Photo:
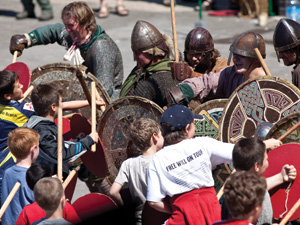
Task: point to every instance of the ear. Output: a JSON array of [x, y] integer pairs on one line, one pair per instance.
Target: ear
[[154, 137], [256, 167], [53, 106], [7, 97], [63, 201], [186, 129]]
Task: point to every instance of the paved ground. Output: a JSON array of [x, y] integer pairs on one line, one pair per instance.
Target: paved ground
[[223, 29]]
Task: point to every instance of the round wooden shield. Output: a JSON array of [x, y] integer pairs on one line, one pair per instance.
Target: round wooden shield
[[283, 125], [23, 72], [113, 129], [64, 74], [93, 204], [212, 113], [95, 162], [259, 100], [284, 196]]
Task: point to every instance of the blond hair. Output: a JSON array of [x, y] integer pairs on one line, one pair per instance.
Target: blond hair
[[48, 192]]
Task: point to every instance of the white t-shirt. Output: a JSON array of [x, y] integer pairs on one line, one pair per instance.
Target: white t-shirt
[[133, 172], [185, 166]]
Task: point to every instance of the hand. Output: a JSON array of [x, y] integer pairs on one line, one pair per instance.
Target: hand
[[17, 43], [94, 136], [288, 173], [180, 70], [272, 143], [100, 102]]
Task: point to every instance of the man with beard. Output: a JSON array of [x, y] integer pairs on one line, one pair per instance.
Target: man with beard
[[286, 41], [152, 77], [222, 84], [87, 42], [201, 54]]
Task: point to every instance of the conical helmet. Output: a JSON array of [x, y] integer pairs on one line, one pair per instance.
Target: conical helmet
[[145, 36], [245, 44], [286, 35], [198, 40]]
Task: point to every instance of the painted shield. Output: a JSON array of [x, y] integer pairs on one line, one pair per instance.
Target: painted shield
[[113, 129], [283, 125], [64, 74], [264, 99], [92, 205], [95, 162], [284, 196], [212, 113], [23, 72]]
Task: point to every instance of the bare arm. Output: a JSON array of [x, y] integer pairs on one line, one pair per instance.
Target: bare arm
[[115, 193], [288, 173], [161, 206], [77, 104]]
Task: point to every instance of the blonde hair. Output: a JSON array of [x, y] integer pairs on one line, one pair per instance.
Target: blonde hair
[[48, 192], [20, 141]]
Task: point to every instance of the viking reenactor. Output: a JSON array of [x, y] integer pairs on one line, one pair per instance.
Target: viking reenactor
[[87, 43], [222, 84], [286, 41], [201, 54], [152, 77]]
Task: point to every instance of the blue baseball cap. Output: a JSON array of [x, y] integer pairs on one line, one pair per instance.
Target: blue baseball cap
[[178, 116]]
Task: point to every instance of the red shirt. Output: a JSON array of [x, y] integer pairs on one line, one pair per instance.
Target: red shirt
[[33, 212]]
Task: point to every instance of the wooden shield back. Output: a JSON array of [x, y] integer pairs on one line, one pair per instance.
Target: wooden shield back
[[64, 74], [259, 100], [113, 129], [212, 113], [282, 126]]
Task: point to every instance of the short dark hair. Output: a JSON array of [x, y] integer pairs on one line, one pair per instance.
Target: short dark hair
[[43, 96], [141, 131], [247, 152], [82, 12], [7, 82], [243, 191], [36, 172], [172, 137]]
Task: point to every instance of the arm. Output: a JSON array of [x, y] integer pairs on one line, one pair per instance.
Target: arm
[[197, 87], [272, 143], [161, 206], [288, 173], [71, 105], [115, 193]]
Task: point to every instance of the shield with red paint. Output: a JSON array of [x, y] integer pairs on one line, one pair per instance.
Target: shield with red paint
[[23, 72], [284, 196], [94, 161]]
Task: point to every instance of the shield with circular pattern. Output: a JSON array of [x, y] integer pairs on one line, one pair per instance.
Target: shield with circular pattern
[[114, 125], [259, 100]]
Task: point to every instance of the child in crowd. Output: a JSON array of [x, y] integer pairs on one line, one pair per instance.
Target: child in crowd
[[12, 114], [244, 195], [250, 154], [33, 212], [182, 170], [24, 145], [46, 99], [49, 195], [146, 136]]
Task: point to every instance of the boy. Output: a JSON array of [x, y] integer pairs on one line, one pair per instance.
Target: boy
[[24, 145], [33, 212], [147, 137], [49, 195], [46, 98], [250, 154], [12, 114], [244, 195], [182, 170]]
